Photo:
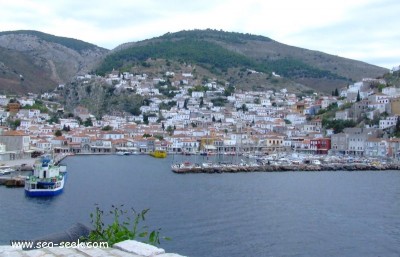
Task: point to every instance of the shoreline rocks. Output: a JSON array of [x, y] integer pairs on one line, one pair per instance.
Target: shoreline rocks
[[282, 168]]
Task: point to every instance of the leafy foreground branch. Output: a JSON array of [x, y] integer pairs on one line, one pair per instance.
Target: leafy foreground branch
[[125, 226]]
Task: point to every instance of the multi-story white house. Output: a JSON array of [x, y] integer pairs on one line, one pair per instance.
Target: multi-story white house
[[376, 147], [197, 94], [71, 123], [296, 118], [388, 122]]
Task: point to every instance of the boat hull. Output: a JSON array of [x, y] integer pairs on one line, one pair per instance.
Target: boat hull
[[43, 192], [159, 154]]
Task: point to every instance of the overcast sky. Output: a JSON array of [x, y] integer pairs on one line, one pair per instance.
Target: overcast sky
[[365, 30]]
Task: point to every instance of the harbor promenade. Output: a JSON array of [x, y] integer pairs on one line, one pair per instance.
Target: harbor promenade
[[29, 161], [19, 162], [129, 248]]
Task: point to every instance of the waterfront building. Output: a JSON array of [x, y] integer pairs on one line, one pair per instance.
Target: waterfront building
[[320, 145], [17, 143]]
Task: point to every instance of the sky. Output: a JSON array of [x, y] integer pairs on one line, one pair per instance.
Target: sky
[[365, 30]]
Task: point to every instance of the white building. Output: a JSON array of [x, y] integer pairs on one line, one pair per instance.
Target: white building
[[388, 122]]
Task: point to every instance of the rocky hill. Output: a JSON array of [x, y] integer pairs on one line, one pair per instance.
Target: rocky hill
[[32, 61], [228, 54]]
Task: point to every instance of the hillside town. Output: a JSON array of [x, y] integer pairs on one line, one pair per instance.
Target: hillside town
[[204, 120]]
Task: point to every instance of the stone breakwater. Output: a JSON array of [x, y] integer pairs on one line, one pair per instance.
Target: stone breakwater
[[280, 168]]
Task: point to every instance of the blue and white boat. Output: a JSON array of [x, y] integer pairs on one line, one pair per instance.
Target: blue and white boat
[[47, 179]]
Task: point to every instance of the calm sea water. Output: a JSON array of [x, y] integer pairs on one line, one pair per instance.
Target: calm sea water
[[243, 214]]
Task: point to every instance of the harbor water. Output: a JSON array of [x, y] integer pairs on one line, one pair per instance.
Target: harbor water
[[236, 214]]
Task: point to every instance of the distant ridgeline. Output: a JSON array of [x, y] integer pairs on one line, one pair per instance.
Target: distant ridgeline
[[244, 60], [75, 44]]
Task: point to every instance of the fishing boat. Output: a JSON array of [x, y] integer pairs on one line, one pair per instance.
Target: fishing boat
[[159, 154], [47, 179]]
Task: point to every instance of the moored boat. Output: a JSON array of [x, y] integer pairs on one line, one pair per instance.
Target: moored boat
[[6, 170], [159, 154], [47, 179], [123, 153]]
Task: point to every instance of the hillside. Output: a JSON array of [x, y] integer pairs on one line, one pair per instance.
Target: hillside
[[32, 61], [43, 60], [223, 53], [393, 78], [18, 75]]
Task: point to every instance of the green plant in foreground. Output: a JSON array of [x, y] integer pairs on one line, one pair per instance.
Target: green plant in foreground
[[123, 227]]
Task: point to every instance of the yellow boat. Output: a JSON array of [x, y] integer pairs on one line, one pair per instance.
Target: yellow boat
[[159, 154]]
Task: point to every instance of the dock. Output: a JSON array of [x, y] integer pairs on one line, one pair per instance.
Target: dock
[[20, 169]]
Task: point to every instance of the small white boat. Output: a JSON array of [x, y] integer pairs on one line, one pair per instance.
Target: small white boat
[[316, 162], [6, 170], [123, 153]]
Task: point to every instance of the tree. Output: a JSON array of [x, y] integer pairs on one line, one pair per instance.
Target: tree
[[219, 101], [58, 133], [54, 119], [170, 130], [79, 120], [159, 137], [107, 128], [229, 90], [66, 128], [160, 116], [336, 92], [397, 128], [146, 102], [244, 108], [145, 119], [358, 96], [88, 122], [213, 119], [201, 102], [14, 124], [338, 125]]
